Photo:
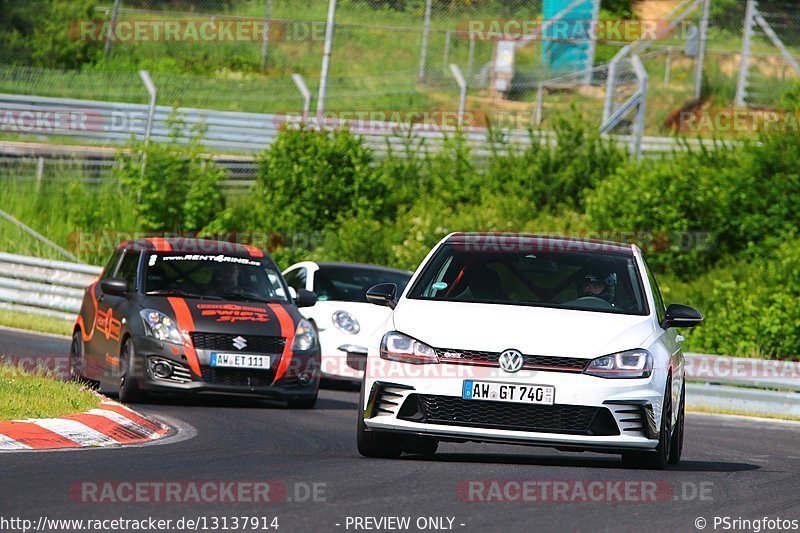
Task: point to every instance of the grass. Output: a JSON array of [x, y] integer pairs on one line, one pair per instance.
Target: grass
[[28, 321], [31, 395]]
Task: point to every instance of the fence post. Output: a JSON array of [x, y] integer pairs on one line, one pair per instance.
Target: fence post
[[326, 59], [536, 119], [426, 29], [448, 36], [265, 39], [638, 135], [749, 21], [462, 86], [303, 88], [701, 50], [151, 110], [112, 26], [39, 173], [471, 57], [668, 67]]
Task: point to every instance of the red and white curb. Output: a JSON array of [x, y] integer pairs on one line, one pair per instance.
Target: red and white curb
[[110, 424]]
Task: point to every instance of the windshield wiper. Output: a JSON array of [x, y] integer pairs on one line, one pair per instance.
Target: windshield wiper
[[178, 292]]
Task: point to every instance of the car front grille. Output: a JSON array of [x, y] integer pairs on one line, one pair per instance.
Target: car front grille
[[537, 362], [454, 411], [238, 377], [224, 341]]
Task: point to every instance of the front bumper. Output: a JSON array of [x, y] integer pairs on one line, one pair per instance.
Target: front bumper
[[300, 380], [589, 413], [339, 363]]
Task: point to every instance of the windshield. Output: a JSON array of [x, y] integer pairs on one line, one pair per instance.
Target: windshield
[[591, 281], [350, 284], [215, 277]]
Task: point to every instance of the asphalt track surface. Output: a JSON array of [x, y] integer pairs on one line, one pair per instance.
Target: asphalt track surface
[[732, 467]]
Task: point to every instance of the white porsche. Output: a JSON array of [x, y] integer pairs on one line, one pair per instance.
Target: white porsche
[[525, 339], [342, 315]]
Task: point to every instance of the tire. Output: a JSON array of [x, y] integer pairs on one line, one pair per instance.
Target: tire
[[657, 459], [129, 391], [424, 446], [303, 403], [676, 447], [77, 362], [375, 444]]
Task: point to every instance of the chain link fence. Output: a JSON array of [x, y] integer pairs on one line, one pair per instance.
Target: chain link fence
[[525, 62]]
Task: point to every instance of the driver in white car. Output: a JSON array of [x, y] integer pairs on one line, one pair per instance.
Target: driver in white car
[[600, 287]]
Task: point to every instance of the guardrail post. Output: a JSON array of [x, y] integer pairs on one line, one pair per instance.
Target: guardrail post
[[326, 60], [536, 118], [462, 86], [303, 88], [426, 29], [112, 26], [151, 111]]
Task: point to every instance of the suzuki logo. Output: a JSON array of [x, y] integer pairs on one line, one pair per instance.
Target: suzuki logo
[[240, 343], [511, 360]]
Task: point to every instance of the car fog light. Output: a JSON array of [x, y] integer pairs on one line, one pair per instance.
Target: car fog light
[[162, 370], [305, 377]]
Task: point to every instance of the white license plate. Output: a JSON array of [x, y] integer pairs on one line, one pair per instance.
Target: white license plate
[[508, 392], [238, 360]]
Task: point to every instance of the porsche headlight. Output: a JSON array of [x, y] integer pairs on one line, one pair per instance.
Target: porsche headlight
[[305, 337], [628, 364], [346, 322], [160, 326], [398, 347]]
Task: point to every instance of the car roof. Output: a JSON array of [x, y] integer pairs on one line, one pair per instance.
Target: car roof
[[197, 246], [509, 241], [339, 264]]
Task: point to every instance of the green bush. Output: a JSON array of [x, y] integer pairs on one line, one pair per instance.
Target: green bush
[[177, 187], [753, 311], [309, 179]]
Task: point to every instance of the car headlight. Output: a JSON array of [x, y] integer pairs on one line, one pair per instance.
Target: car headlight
[[305, 337], [346, 322], [627, 364], [404, 349], [160, 326]]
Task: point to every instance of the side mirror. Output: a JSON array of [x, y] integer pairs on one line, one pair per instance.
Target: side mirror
[[383, 294], [114, 286], [305, 298], [682, 316]]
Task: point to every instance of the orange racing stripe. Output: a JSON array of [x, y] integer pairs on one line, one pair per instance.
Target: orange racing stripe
[[160, 243], [186, 324], [287, 332]]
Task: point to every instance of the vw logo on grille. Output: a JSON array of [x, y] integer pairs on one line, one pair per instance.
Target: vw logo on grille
[[511, 360], [240, 343]]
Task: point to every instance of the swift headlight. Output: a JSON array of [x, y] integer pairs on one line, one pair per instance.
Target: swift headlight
[[346, 322], [404, 349], [160, 326], [628, 364], [305, 337]]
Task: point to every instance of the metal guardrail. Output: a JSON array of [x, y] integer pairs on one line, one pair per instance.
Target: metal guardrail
[[247, 133], [43, 287]]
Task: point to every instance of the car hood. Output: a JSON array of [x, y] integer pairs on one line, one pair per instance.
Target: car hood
[[219, 316], [531, 330]]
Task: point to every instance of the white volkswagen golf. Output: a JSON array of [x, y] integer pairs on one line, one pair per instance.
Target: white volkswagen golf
[[525, 339]]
